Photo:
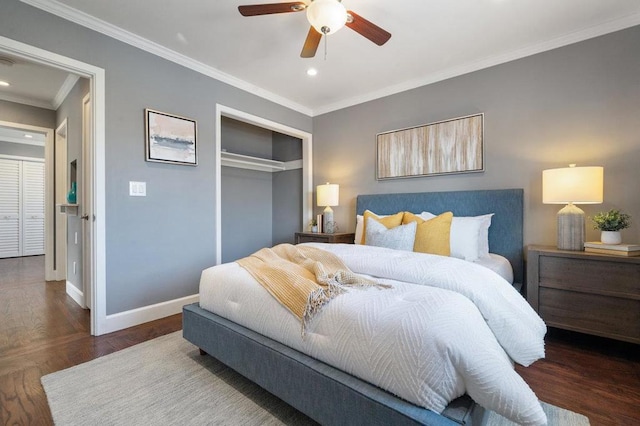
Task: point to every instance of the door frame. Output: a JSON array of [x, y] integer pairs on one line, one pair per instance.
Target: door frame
[[57, 170], [96, 182], [87, 200], [307, 163]]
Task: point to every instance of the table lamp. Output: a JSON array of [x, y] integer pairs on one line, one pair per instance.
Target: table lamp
[[327, 195], [572, 185]]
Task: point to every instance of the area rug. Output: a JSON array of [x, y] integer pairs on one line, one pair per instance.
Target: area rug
[[165, 381]]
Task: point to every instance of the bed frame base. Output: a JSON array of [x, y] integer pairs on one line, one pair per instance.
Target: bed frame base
[[326, 394]]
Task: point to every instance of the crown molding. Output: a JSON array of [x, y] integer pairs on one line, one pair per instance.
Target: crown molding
[[567, 39], [56, 8], [64, 90], [70, 14]]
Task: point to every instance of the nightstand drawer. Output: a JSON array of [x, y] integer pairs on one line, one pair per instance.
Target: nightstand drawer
[[314, 237], [590, 275], [591, 313]]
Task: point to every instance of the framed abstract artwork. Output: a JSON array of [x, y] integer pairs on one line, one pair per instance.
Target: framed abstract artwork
[[444, 147], [170, 138]]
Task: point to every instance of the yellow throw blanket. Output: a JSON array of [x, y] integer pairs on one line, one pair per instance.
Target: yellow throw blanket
[[302, 278]]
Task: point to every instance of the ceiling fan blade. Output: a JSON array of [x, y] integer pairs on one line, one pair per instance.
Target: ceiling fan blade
[[311, 43], [270, 8], [367, 29]]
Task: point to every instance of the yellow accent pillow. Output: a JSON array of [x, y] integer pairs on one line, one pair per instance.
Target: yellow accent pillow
[[432, 236], [388, 221]]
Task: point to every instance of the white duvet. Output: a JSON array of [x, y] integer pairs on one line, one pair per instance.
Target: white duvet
[[456, 332]]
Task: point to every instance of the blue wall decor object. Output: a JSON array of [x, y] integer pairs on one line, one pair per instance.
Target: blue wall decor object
[[71, 196]]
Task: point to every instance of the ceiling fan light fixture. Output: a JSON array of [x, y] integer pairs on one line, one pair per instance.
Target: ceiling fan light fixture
[[327, 16]]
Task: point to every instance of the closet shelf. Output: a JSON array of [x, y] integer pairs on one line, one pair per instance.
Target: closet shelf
[[230, 159], [70, 209]]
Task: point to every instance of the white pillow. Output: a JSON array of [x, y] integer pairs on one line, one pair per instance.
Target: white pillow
[[401, 237], [360, 225], [469, 237]]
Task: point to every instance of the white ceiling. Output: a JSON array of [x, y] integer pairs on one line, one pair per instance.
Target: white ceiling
[[431, 41], [33, 84]]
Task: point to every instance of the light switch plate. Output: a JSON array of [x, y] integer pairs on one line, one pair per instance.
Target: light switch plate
[[137, 189]]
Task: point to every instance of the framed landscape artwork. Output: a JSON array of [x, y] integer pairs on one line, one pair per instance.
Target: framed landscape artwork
[[170, 138], [449, 146]]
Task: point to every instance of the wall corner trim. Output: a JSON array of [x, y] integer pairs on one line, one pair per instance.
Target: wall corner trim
[[76, 294], [133, 317]]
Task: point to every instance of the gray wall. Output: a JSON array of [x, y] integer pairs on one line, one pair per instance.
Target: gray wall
[[576, 104], [287, 206], [21, 150], [246, 212], [25, 114], [71, 109], [156, 246], [287, 190]]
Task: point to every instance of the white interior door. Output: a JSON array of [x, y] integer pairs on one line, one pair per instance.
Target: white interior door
[[10, 208], [87, 203], [32, 208], [21, 208]]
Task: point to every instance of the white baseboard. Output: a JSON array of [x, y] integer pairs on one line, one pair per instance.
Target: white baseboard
[[77, 295], [122, 320]]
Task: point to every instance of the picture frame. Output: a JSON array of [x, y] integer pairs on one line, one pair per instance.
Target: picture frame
[[444, 147], [170, 138]]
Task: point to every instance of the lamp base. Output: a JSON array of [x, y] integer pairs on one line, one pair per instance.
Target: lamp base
[[571, 228], [328, 223]]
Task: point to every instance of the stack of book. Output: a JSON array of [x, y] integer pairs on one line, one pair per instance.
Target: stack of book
[[629, 250]]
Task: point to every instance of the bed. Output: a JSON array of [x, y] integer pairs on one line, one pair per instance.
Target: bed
[[327, 394]]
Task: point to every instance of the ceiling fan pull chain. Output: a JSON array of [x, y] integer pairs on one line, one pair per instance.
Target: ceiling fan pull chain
[[325, 47]]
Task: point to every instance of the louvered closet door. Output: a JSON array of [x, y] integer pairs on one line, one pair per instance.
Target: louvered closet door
[[32, 208], [10, 208]]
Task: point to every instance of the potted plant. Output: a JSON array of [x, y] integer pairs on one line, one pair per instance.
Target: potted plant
[[313, 224], [610, 223]]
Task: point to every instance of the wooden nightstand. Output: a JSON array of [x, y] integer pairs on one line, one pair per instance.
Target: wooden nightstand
[[586, 292], [316, 237]]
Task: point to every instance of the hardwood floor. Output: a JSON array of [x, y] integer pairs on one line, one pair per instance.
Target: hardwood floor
[[593, 376], [42, 330]]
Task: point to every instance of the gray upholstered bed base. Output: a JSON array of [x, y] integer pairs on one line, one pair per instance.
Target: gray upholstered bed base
[[326, 394]]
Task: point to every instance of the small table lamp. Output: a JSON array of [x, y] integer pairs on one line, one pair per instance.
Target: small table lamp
[[572, 185], [327, 195]]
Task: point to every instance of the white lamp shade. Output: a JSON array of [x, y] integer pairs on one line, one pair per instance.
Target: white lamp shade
[[328, 194], [326, 16], [577, 185]]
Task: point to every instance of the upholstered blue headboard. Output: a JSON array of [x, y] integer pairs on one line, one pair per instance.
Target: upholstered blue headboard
[[505, 233]]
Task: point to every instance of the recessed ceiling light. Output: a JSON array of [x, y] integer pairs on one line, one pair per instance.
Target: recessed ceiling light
[[312, 71], [4, 83], [28, 136]]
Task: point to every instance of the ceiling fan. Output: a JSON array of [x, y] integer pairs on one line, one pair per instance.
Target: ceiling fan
[[326, 17]]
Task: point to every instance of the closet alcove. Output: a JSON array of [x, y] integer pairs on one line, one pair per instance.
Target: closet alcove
[[261, 188]]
